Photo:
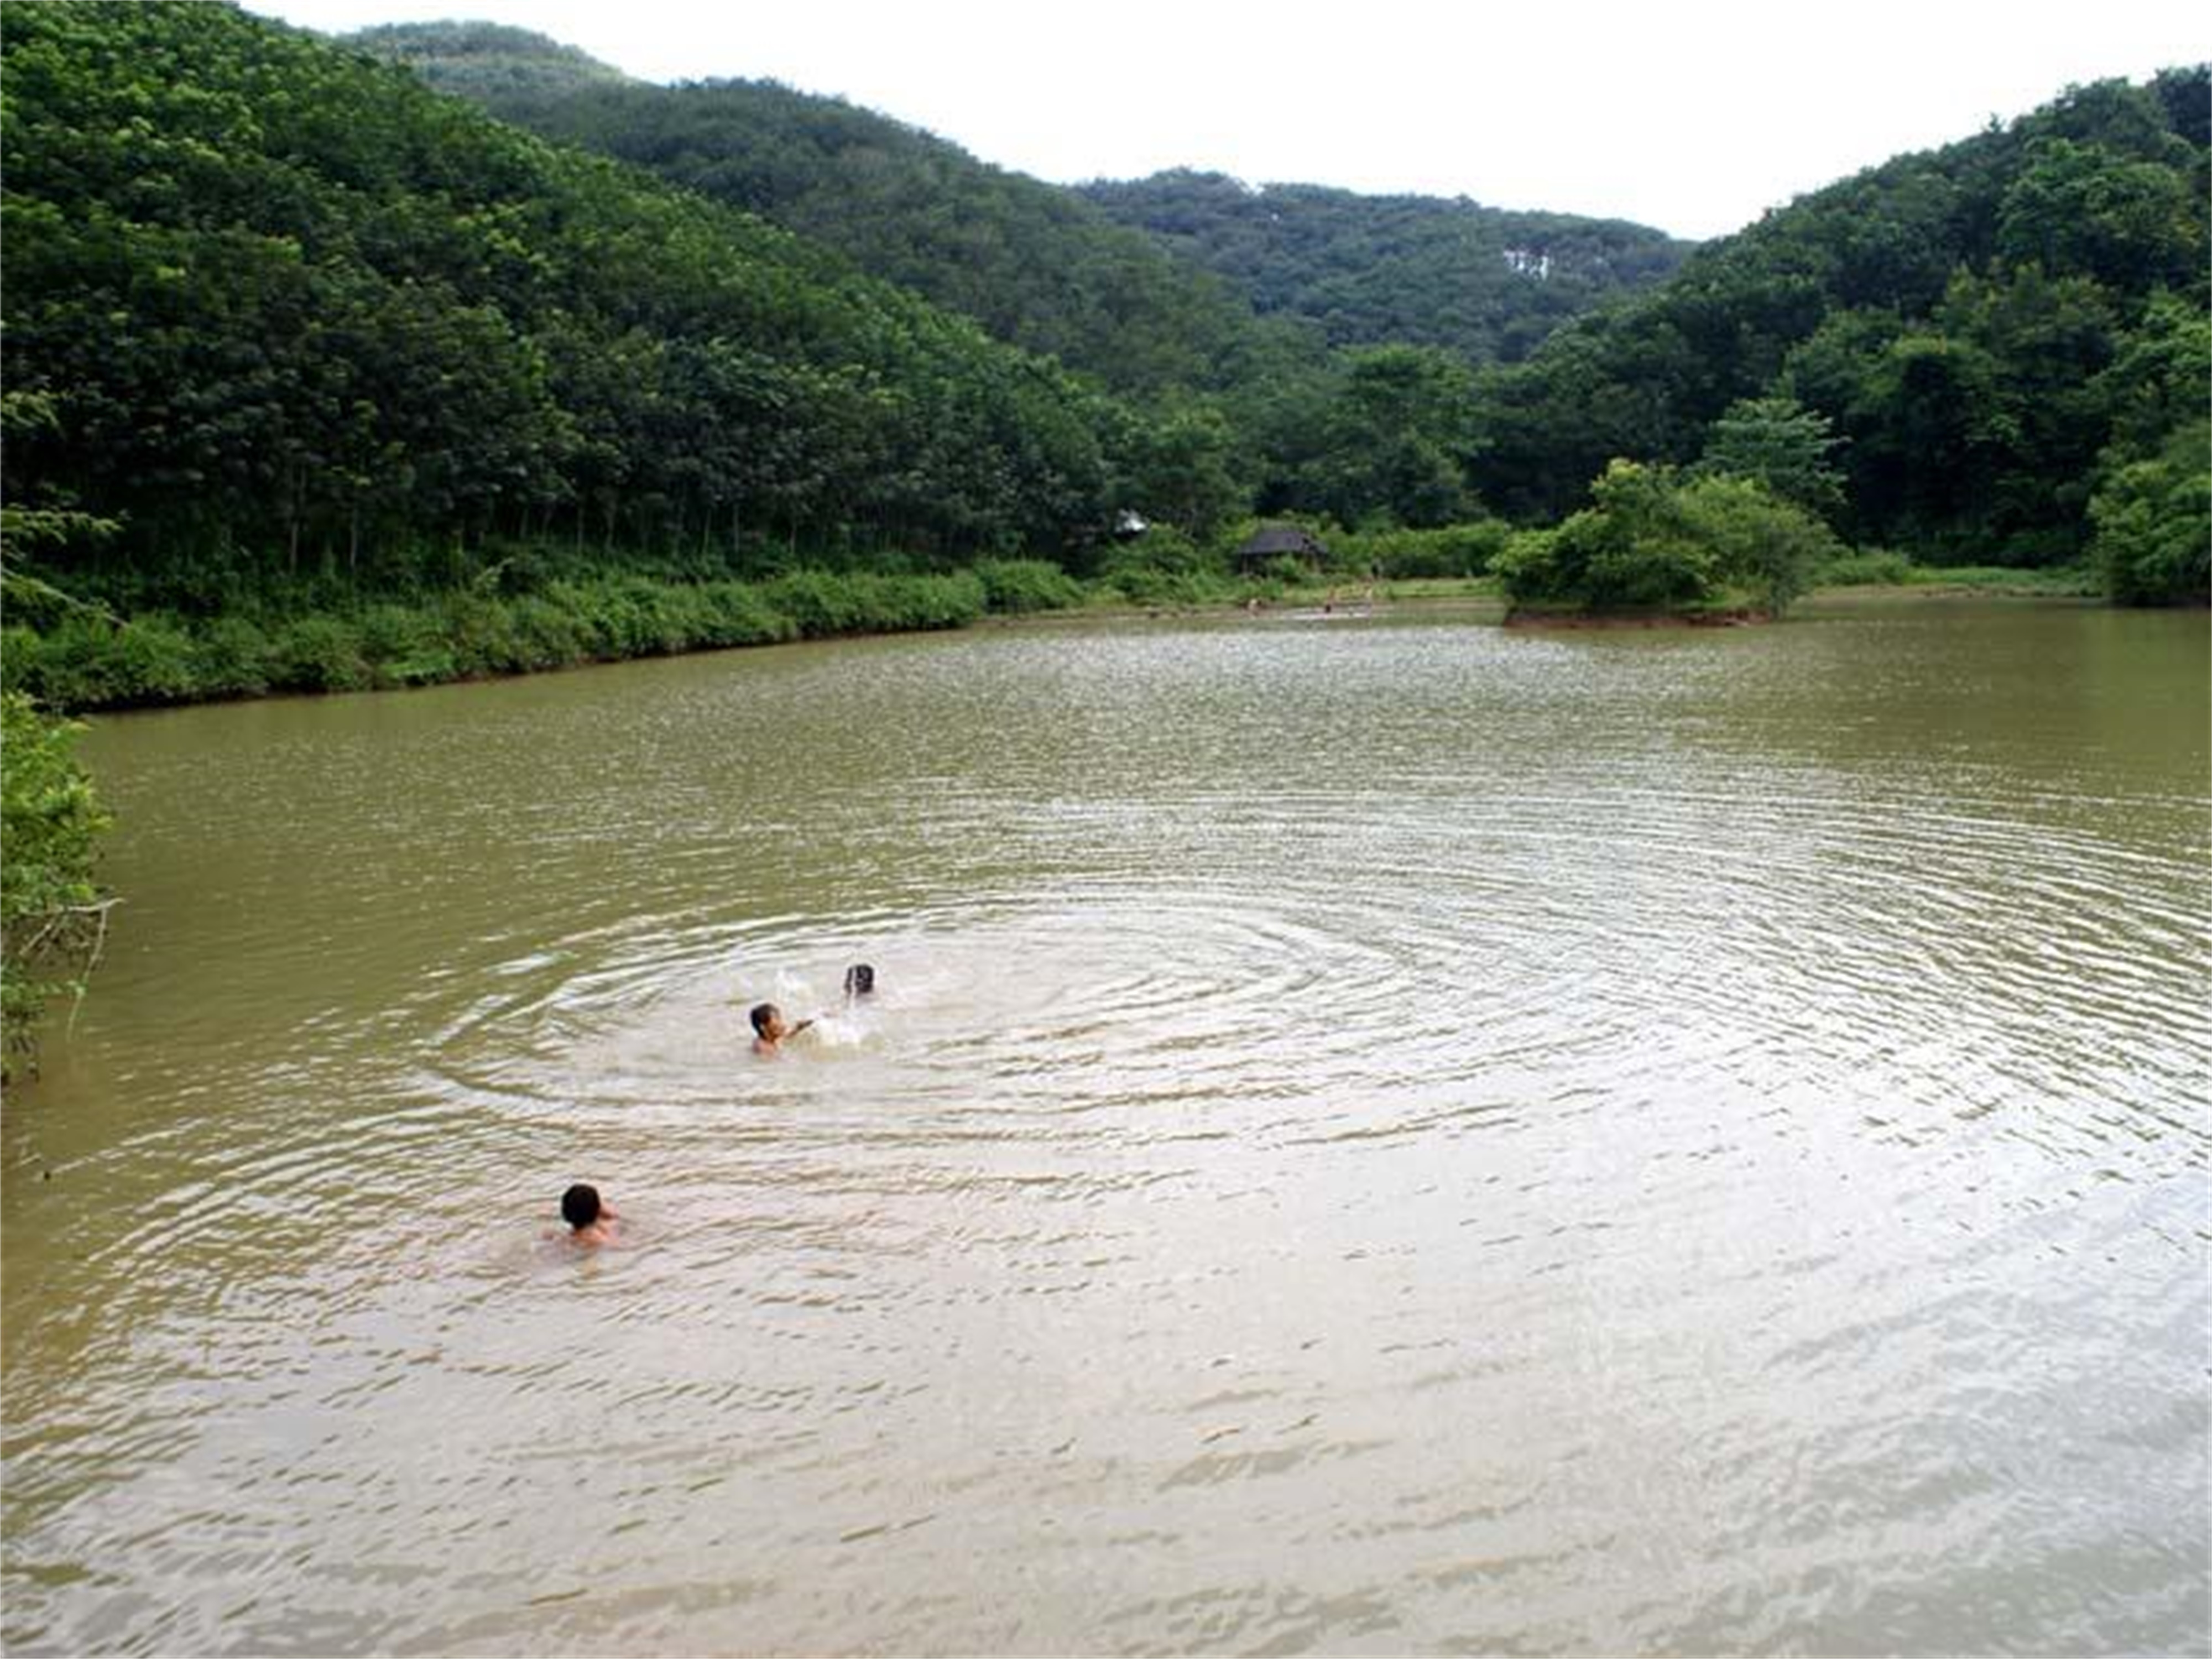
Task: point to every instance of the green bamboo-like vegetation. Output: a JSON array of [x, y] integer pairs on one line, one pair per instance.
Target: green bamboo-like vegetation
[[299, 317]]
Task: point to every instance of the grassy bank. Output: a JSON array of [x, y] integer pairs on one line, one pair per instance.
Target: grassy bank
[[1892, 571], [78, 657]]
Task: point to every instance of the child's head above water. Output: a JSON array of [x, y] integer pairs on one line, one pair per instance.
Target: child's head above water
[[765, 1017], [859, 980], [580, 1206]]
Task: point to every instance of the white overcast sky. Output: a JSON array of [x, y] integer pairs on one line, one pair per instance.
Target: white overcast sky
[[1693, 116]]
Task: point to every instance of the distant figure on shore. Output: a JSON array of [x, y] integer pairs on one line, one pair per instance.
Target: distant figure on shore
[[769, 1029], [860, 980], [590, 1220]]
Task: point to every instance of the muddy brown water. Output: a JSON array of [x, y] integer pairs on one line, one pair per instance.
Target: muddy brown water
[[1376, 1135]]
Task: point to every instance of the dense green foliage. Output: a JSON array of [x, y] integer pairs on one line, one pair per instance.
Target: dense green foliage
[[1652, 541], [1989, 330], [50, 909], [1483, 283], [1035, 265], [50, 914], [1779, 443], [486, 61], [71, 656], [294, 313], [1383, 439], [2154, 523], [1168, 567]]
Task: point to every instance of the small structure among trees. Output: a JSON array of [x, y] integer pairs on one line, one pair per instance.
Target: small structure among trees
[[1272, 542]]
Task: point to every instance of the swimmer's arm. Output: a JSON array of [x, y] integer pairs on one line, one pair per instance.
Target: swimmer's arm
[[797, 1029]]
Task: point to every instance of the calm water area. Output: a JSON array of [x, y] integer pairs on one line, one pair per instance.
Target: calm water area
[[1374, 1135]]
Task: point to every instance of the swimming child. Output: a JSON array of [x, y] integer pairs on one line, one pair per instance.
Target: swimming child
[[859, 980], [769, 1029], [590, 1221]]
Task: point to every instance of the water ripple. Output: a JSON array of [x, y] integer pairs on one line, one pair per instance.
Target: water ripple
[[1373, 1136]]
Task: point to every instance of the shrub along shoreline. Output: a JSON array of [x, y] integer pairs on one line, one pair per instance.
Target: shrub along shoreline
[[70, 656], [78, 657], [535, 609]]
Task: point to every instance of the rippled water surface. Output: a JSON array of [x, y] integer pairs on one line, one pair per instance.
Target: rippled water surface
[[1384, 1135]]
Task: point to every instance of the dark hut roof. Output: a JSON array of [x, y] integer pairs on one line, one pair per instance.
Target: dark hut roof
[[1273, 538]]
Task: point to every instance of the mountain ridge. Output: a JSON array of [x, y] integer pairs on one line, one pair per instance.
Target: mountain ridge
[[1049, 267]]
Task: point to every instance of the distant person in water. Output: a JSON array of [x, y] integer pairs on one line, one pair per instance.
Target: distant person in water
[[590, 1220], [860, 980], [769, 1029]]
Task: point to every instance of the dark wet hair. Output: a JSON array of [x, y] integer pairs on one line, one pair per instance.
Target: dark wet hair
[[763, 1013], [580, 1206], [859, 980]]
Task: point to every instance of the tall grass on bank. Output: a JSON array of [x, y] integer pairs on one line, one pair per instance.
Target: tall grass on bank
[[77, 658], [1881, 568]]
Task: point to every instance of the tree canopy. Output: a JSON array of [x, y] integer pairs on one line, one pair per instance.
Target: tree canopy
[[282, 308], [1033, 264], [287, 305], [1483, 284], [1987, 331]]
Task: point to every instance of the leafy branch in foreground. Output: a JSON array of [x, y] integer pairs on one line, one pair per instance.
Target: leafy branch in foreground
[[53, 917]]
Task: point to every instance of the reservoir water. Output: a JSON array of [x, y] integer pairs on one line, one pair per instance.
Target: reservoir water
[[1374, 1135]]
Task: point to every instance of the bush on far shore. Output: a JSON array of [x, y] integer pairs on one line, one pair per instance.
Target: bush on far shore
[[1017, 586], [1457, 550], [1867, 567], [1654, 541]]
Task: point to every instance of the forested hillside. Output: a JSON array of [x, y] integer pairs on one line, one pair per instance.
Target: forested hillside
[[279, 314], [486, 61], [2001, 336], [1036, 265], [277, 308], [1483, 284]]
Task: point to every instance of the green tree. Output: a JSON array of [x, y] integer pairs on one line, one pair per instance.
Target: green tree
[[2153, 524], [1760, 541], [1653, 541], [1632, 549], [1391, 442], [1778, 442], [1182, 470], [1957, 316], [2083, 209]]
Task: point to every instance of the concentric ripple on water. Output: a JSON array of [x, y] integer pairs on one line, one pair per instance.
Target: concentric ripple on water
[[1380, 1136]]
